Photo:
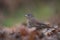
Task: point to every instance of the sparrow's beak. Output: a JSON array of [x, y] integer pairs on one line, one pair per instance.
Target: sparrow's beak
[[25, 15]]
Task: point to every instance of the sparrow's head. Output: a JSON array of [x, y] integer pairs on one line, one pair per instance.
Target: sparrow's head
[[29, 15]]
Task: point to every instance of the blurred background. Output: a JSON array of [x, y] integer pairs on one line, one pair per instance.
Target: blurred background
[[13, 11]]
